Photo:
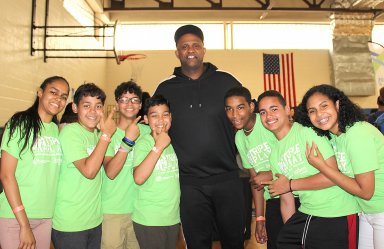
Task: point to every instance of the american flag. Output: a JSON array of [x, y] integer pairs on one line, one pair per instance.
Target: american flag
[[279, 75]]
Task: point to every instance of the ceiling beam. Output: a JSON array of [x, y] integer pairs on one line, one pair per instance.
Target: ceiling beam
[[215, 5], [165, 5], [314, 4]]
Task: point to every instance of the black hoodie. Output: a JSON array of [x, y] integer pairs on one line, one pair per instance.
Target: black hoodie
[[202, 136]]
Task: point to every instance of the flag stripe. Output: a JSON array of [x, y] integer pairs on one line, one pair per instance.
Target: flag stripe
[[284, 82], [265, 82], [274, 81], [293, 82], [269, 81], [289, 79]]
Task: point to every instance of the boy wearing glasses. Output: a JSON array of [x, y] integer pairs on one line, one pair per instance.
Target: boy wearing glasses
[[119, 190]]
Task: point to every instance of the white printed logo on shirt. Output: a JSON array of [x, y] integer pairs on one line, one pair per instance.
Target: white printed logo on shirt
[[291, 162], [260, 155], [46, 150]]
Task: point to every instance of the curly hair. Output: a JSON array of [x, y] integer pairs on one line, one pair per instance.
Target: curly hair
[[348, 114], [128, 87]]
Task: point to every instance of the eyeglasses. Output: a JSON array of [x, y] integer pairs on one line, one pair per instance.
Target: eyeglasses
[[125, 100]]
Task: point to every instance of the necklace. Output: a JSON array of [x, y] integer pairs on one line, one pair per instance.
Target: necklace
[[248, 131]]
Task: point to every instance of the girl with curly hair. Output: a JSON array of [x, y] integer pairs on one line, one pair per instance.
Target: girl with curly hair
[[30, 163], [359, 150]]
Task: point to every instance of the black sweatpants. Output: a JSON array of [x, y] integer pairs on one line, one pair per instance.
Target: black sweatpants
[[202, 205], [247, 190], [303, 231]]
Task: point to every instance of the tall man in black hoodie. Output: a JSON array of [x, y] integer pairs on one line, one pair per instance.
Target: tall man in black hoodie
[[203, 140]]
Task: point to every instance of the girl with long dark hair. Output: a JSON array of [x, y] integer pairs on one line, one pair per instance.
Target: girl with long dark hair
[[359, 150], [30, 163]]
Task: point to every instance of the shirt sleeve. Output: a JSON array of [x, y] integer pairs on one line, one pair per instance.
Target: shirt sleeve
[[73, 144], [242, 153], [141, 150], [13, 147], [361, 149]]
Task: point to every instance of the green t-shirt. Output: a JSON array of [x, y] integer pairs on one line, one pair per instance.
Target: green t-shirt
[[78, 204], [119, 194], [361, 150], [254, 149], [158, 199], [37, 171], [288, 158]]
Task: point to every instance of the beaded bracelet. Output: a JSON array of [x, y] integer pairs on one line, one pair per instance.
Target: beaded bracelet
[[128, 142]]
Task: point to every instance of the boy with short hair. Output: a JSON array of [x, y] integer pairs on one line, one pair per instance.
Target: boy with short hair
[[321, 221], [119, 190], [254, 144], [156, 214], [78, 216]]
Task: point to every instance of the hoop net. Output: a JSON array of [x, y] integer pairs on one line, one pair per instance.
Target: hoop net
[[124, 57], [137, 63]]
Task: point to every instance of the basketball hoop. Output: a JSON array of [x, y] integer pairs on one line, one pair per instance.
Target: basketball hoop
[[136, 62], [375, 48], [131, 57]]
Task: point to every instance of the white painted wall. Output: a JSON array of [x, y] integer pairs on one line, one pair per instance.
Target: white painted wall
[[20, 73]]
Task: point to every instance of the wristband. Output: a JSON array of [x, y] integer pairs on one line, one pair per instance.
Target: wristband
[[125, 148], [105, 137], [260, 218], [290, 186], [122, 149], [128, 142], [18, 209], [156, 150]]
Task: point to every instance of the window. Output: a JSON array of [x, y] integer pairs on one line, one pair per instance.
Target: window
[[378, 34], [281, 36], [160, 36], [135, 37]]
